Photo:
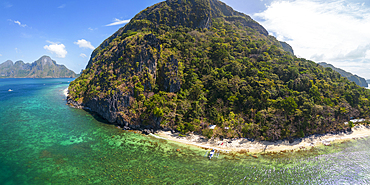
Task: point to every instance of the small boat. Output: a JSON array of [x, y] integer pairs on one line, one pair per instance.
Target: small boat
[[211, 154], [10, 90]]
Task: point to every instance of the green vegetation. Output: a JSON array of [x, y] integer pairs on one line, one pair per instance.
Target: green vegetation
[[186, 75]]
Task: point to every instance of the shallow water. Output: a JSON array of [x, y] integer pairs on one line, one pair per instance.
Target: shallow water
[[44, 141]]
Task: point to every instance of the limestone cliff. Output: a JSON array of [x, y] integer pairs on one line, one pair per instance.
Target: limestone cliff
[[287, 47]]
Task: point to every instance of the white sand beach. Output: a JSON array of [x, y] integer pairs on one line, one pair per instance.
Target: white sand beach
[[245, 145]]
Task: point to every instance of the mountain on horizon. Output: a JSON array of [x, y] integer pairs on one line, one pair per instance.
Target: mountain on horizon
[[44, 67], [354, 78]]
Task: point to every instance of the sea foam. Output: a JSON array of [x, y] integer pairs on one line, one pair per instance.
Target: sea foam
[[65, 92]]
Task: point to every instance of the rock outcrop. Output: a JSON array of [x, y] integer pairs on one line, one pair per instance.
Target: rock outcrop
[[287, 47]]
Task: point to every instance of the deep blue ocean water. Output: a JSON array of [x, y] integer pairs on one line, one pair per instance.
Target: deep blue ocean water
[[44, 141]]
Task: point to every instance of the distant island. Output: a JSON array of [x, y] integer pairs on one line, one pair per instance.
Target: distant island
[[354, 78], [44, 67]]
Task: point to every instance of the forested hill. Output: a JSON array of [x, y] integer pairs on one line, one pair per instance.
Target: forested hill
[[354, 78], [188, 64], [44, 67]]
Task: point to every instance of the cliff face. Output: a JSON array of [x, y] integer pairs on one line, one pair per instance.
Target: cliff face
[[44, 67], [358, 80], [354, 78], [188, 64], [287, 47]]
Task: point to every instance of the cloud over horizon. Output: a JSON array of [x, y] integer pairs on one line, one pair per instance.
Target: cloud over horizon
[[83, 55], [18, 22], [334, 31], [62, 6], [118, 22], [7, 5], [58, 49], [84, 44]]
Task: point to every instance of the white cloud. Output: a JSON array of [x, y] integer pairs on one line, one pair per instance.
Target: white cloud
[[58, 49], [26, 35], [334, 31], [62, 6], [92, 29], [1, 55], [118, 22], [83, 55], [84, 44], [18, 22], [7, 5]]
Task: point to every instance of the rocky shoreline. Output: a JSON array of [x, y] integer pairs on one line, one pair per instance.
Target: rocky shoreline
[[118, 121]]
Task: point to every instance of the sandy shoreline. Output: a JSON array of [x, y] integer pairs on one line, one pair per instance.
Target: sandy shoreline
[[246, 145]]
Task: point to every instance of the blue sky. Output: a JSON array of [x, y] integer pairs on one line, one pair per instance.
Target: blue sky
[[332, 31], [30, 29]]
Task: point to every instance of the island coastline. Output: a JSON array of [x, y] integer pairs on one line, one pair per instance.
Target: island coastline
[[246, 145]]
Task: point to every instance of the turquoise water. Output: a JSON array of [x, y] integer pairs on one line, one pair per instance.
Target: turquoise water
[[44, 141]]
